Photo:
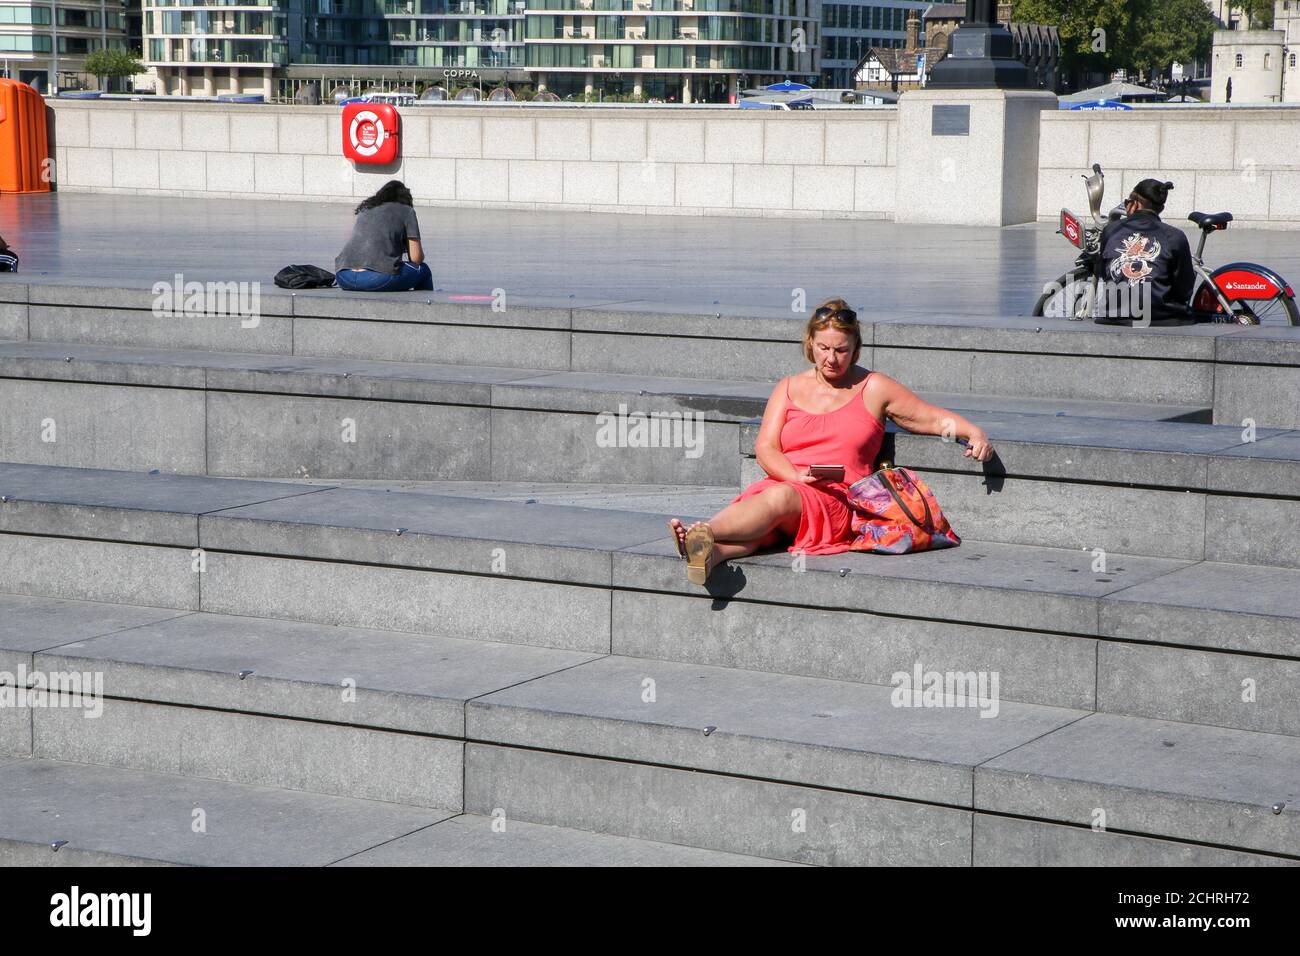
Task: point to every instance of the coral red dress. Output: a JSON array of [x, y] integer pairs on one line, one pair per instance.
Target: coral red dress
[[848, 436]]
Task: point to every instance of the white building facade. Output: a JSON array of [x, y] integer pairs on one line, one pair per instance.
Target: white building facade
[[1258, 66], [1286, 19]]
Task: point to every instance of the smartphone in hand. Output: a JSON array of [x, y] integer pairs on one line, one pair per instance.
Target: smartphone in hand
[[827, 472]]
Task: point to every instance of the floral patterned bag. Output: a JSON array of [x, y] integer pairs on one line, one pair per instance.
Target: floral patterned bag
[[894, 512]]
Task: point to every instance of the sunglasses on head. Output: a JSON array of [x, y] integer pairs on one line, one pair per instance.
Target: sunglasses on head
[[844, 315]]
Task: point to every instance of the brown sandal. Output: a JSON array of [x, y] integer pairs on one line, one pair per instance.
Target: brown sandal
[[700, 557]]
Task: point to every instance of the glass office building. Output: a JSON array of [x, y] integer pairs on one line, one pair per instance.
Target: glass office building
[[849, 29], [45, 44], [212, 48], [682, 50], [673, 50]]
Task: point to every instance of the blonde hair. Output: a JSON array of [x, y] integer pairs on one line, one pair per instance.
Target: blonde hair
[[833, 314]]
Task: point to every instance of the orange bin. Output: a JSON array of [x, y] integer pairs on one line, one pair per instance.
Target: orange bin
[[24, 143]]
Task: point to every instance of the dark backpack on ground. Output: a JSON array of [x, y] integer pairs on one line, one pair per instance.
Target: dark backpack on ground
[[8, 258], [304, 277]]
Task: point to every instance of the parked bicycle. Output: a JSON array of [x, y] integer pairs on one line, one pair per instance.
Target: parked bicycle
[[1242, 292]]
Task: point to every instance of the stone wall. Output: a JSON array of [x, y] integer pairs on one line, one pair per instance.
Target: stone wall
[[668, 160], [691, 161], [1239, 159]]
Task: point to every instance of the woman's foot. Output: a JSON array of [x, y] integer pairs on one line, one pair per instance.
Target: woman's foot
[[679, 534], [701, 555]]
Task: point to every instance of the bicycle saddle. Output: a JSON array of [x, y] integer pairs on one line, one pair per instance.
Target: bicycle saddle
[[1211, 220]]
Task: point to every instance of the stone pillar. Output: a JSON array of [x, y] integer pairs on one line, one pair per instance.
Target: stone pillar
[[969, 157], [637, 88], [686, 88], [589, 86], [733, 88], [268, 84], [541, 82], [208, 88]]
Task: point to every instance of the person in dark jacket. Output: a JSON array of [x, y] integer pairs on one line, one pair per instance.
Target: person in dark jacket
[[384, 232], [8, 258], [1145, 266]]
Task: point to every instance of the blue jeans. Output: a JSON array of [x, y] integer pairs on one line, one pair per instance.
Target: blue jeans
[[367, 280]]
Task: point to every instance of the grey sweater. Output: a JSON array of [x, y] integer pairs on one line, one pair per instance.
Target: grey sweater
[[379, 239]]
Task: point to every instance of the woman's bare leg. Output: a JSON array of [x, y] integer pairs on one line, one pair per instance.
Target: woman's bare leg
[[744, 527]]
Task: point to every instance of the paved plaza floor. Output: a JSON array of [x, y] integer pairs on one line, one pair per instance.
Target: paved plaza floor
[[673, 262]]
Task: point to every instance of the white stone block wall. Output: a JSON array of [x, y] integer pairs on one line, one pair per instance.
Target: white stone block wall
[[831, 164], [670, 161], [1235, 159]]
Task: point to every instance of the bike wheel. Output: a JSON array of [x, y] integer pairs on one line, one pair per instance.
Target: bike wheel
[[1068, 297], [1275, 307], [1279, 310]]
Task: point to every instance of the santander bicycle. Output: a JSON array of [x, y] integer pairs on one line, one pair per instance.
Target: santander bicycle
[[1241, 292]]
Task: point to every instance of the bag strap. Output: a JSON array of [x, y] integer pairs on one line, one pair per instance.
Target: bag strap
[[929, 519]]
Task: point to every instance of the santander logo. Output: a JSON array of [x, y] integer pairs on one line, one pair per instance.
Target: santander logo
[[1247, 284]]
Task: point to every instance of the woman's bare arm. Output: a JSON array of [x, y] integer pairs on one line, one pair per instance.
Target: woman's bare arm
[[414, 251], [908, 410], [767, 447]]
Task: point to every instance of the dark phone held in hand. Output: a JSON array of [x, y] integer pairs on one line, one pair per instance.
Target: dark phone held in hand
[[827, 472]]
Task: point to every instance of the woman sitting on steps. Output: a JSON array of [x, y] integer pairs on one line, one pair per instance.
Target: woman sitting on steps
[[384, 231], [832, 414]]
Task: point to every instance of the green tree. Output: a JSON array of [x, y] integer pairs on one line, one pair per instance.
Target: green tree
[[1097, 36], [1139, 36], [1261, 12], [111, 62], [1174, 31]]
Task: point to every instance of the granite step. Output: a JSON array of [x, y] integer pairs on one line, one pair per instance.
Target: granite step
[[246, 415], [349, 712], [810, 770], [1240, 372], [104, 816], [1058, 628], [1066, 479]]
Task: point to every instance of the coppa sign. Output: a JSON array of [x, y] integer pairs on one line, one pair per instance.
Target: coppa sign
[[370, 132]]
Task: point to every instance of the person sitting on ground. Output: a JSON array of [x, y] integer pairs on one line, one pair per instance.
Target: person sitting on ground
[[385, 229], [1144, 260], [8, 258], [831, 414]]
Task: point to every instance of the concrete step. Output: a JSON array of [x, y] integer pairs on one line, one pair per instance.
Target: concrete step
[[1219, 638], [1111, 789], [1148, 487], [246, 415], [357, 713], [1241, 372], [103, 816], [808, 770]]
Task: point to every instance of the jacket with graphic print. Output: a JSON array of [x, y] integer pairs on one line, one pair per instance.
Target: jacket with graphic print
[[1138, 251]]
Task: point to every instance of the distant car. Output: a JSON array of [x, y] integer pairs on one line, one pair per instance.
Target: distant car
[[766, 104]]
